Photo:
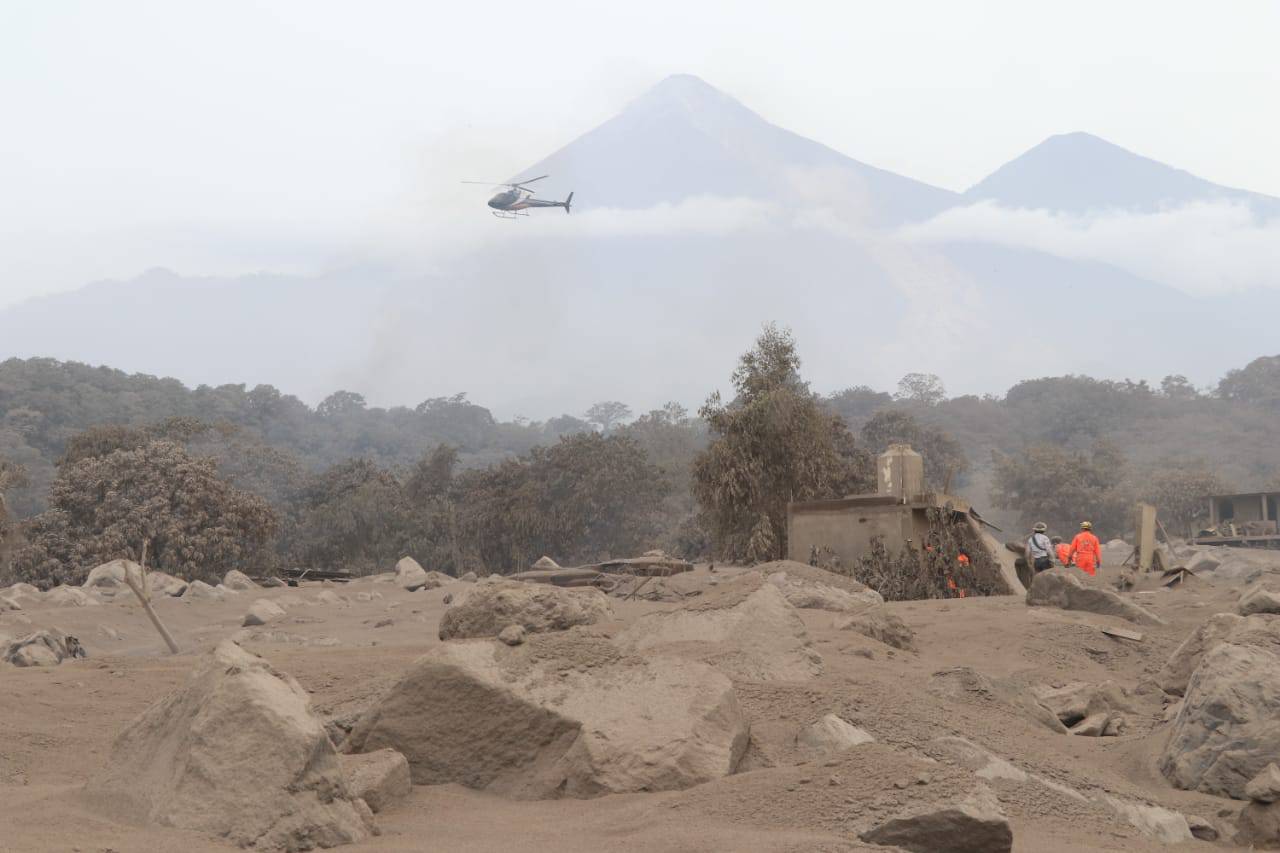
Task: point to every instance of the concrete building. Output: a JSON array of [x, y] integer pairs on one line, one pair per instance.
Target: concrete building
[[1252, 518], [898, 516]]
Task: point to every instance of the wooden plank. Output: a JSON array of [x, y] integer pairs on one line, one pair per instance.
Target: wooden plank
[[1146, 526], [1122, 633]]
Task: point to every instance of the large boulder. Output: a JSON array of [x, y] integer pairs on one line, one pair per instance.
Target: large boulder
[[1176, 672], [832, 734], [201, 591], [1203, 561], [1078, 701], [1262, 597], [41, 648], [564, 714], [1062, 588], [410, 575], [238, 581], [160, 583], [1265, 787], [235, 752], [974, 824], [111, 576], [379, 778], [1228, 730], [884, 627], [1258, 826], [69, 596], [1069, 703], [746, 629], [487, 608], [262, 612]]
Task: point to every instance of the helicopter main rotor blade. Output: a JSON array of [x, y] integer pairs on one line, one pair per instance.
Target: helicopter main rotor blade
[[531, 180]]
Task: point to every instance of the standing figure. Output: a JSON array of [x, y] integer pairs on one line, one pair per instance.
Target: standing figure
[[1040, 549], [1062, 550], [1086, 550]]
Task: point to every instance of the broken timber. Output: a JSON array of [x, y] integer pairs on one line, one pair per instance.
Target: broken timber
[[1122, 633]]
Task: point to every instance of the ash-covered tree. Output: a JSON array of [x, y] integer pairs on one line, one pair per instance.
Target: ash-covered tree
[[923, 388], [586, 497], [945, 462], [104, 504], [1175, 386], [1257, 383], [1179, 490], [354, 516], [12, 476], [773, 444], [1062, 488], [607, 414], [858, 403]]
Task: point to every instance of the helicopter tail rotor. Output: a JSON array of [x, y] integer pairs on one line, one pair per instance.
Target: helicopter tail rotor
[[568, 202]]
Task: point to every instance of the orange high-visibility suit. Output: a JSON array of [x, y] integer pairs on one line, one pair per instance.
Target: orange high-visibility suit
[[1086, 550], [1064, 553]]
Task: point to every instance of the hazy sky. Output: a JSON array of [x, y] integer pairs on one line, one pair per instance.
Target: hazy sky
[[238, 136]]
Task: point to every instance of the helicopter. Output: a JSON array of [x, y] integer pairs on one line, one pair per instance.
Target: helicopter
[[517, 199]]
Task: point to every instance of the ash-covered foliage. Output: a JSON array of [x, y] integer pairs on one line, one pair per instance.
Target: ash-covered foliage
[[773, 444]]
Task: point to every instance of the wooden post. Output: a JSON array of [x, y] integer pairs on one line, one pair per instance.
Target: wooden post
[[145, 598]]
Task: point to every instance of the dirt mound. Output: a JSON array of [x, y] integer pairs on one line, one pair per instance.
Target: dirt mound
[[562, 715], [814, 574], [816, 595], [489, 607], [966, 684], [237, 753], [746, 629], [1062, 588]]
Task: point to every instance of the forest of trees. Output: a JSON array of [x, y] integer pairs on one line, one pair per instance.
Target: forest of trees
[[93, 461]]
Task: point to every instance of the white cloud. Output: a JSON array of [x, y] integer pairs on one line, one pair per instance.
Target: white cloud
[[695, 215], [1202, 249]]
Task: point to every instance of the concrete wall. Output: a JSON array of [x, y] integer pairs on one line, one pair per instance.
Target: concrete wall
[[1242, 508], [847, 528]]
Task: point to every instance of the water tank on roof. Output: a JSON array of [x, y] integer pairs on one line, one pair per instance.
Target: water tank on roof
[[900, 472]]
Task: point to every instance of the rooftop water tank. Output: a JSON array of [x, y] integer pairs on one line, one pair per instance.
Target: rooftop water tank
[[900, 472]]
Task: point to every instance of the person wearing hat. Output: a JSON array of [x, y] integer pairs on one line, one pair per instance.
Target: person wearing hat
[[1039, 548], [1086, 550]]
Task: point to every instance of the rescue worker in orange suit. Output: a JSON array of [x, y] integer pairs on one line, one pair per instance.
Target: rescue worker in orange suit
[[1062, 550], [1086, 550]]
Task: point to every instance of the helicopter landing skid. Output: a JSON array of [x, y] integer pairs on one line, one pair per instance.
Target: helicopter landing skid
[[508, 214]]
